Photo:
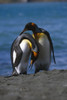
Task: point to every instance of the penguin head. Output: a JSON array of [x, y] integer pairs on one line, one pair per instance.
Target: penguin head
[[30, 26]]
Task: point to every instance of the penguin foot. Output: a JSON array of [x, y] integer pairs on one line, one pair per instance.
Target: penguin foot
[[14, 73], [25, 73]]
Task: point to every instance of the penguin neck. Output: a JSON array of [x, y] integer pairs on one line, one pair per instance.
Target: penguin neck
[[36, 30], [38, 35]]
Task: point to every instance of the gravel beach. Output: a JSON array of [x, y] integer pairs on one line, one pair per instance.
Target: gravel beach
[[46, 85]]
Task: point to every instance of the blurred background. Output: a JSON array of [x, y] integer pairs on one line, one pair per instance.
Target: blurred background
[[17, 1], [52, 16]]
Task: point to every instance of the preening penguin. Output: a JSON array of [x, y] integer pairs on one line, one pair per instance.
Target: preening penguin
[[45, 46], [21, 48]]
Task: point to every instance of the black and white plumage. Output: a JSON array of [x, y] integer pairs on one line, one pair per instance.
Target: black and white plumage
[[21, 48], [45, 46]]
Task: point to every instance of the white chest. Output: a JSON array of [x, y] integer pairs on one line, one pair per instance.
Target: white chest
[[44, 51]]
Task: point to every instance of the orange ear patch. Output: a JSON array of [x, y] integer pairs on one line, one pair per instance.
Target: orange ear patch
[[32, 24]]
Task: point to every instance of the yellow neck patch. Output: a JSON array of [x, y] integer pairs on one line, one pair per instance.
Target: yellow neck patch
[[33, 36], [38, 35]]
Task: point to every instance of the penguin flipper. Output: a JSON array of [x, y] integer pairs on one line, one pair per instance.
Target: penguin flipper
[[18, 52], [51, 45], [18, 55]]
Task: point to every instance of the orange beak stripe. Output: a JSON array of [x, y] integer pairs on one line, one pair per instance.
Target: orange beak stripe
[[31, 62], [35, 54]]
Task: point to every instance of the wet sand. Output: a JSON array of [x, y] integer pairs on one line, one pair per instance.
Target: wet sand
[[46, 85]]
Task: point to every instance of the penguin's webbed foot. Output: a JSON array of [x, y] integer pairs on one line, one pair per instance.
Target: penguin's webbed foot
[[14, 73]]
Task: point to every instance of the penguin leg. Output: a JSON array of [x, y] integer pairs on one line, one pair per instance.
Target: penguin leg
[[15, 73], [46, 68], [37, 70], [42, 67], [25, 72]]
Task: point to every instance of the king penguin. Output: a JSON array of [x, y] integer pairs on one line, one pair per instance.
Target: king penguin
[[21, 48], [45, 46]]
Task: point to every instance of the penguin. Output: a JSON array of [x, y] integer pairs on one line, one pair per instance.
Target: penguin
[[45, 46], [21, 48]]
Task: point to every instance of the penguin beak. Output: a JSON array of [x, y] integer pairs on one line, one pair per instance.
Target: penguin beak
[[35, 54], [31, 62], [23, 31]]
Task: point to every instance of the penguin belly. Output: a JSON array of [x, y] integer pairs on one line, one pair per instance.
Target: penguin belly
[[22, 67], [44, 58]]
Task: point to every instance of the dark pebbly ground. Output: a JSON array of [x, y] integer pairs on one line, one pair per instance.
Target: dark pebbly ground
[[46, 85]]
